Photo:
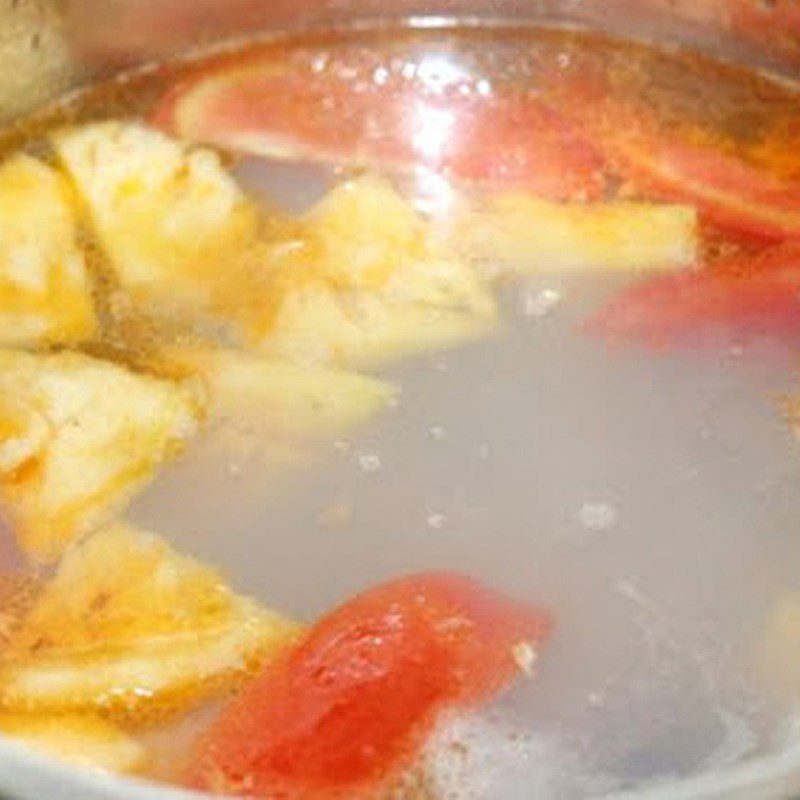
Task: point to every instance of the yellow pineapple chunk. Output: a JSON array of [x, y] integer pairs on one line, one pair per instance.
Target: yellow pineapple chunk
[[129, 628], [170, 218], [367, 232], [363, 281], [80, 740], [45, 295], [538, 235], [779, 653], [279, 397], [78, 437]]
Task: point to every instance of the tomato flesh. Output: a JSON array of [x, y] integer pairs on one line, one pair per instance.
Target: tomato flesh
[[745, 297], [346, 711], [727, 191], [360, 112], [731, 190]]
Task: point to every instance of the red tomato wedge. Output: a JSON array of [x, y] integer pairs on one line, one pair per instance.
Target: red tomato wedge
[[359, 111], [747, 298], [727, 191], [664, 163], [346, 711]]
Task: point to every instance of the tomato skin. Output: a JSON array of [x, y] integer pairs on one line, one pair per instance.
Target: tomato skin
[[345, 712], [727, 191], [664, 161], [267, 104], [745, 297]]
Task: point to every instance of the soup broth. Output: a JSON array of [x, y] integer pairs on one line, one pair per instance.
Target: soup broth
[[614, 440]]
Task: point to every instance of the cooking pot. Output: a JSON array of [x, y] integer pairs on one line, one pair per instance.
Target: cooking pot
[[48, 48]]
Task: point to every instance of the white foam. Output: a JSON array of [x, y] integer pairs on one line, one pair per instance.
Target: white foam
[[483, 757]]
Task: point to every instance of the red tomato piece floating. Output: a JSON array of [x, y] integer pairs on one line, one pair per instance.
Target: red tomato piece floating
[[748, 297], [727, 191], [360, 111], [346, 711]]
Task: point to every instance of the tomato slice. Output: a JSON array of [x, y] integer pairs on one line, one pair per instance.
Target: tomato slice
[[364, 109], [666, 162], [346, 711], [746, 297], [726, 190]]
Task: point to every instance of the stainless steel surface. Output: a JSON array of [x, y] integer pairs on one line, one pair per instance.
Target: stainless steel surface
[[47, 47]]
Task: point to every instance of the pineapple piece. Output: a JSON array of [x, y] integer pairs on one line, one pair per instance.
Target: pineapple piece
[[779, 653], [537, 235], [130, 629], [18, 592], [364, 281], [45, 295], [80, 740], [366, 233], [172, 221], [78, 437], [289, 400]]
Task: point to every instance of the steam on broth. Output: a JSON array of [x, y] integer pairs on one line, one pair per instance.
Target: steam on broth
[[330, 309]]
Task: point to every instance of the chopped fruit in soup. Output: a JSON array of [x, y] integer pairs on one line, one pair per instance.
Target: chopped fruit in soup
[[172, 222], [81, 740], [346, 711], [745, 297], [366, 232], [228, 248], [283, 398], [18, 591], [365, 281], [78, 438], [45, 292], [726, 190], [746, 185], [359, 112], [130, 629], [534, 234], [778, 656]]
